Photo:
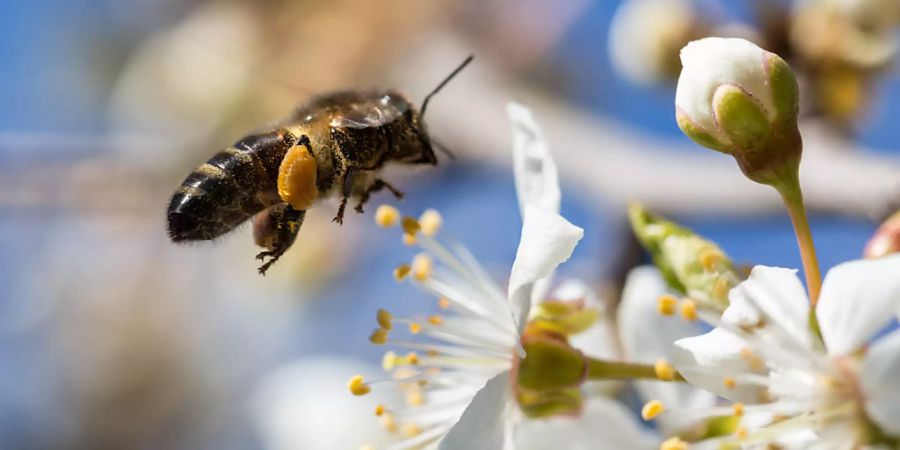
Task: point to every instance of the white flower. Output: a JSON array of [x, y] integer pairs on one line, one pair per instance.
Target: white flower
[[763, 354], [458, 384], [737, 98]]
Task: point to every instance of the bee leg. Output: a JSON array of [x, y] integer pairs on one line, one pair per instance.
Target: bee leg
[[276, 229], [347, 183], [376, 186]]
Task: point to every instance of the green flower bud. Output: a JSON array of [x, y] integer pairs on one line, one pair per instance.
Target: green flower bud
[[689, 263]]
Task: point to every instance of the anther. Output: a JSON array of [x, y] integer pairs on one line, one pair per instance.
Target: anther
[[415, 327], [720, 289], [666, 304], [401, 272], [430, 222], [729, 382], [389, 361], [358, 386], [738, 409], [388, 422], [652, 409], [674, 443], [415, 397], [411, 430], [384, 319], [435, 319], [741, 433], [409, 239], [688, 309], [379, 410], [412, 358], [386, 216], [422, 265], [664, 370], [709, 259], [443, 303], [379, 336], [754, 361], [410, 226]]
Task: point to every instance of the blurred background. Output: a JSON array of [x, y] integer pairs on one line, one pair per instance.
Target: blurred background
[[112, 337]]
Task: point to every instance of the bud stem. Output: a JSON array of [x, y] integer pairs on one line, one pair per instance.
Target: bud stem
[[608, 370], [793, 201]]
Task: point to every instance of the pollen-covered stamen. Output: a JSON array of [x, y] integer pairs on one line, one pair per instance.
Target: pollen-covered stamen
[[435, 320], [430, 222], [688, 308], [380, 410], [410, 225], [443, 303], [358, 385], [666, 304], [674, 443], [379, 336], [386, 216], [384, 319], [664, 370], [652, 409], [422, 266], [409, 240], [402, 271], [729, 382]]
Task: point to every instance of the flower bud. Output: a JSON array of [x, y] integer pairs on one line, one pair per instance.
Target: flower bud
[[737, 98], [886, 239], [689, 263]]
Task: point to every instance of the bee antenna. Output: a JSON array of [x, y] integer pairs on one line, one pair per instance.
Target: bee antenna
[[444, 83], [443, 148]]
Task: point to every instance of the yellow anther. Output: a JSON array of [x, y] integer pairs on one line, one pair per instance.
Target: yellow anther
[[652, 409], [412, 358], [384, 319], [410, 226], [415, 397], [388, 422], [402, 271], [741, 433], [664, 370], [409, 239], [422, 265], [729, 382], [443, 303], [389, 361], [411, 430], [386, 216], [710, 258], [738, 409], [379, 336], [754, 361], [720, 289], [674, 443], [435, 319], [430, 221], [666, 304], [379, 410], [358, 386], [689, 309], [432, 353], [415, 327]]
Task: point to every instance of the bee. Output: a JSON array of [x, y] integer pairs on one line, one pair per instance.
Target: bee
[[335, 144]]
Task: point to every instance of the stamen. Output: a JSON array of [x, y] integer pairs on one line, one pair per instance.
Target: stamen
[[666, 304], [422, 266], [652, 409], [389, 361], [410, 226], [409, 240], [664, 370], [380, 410], [710, 258], [443, 303], [388, 422], [415, 397], [754, 361], [358, 386], [741, 432], [379, 336], [415, 328], [738, 409], [384, 319], [386, 216], [401, 272], [435, 320], [729, 382], [411, 430], [674, 443], [689, 309], [720, 289], [430, 222], [412, 358]]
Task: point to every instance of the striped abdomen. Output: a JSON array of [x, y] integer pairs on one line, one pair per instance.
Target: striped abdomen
[[231, 187]]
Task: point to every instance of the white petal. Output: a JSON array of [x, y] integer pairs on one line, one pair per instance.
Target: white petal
[[485, 422], [858, 299], [537, 180], [706, 360], [880, 379], [547, 240], [603, 425], [779, 294]]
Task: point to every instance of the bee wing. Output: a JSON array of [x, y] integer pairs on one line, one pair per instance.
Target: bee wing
[[367, 114]]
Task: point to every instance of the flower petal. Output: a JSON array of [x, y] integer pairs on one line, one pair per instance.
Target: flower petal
[[779, 295], [705, 361], [485, 423], [648, 336], [537, 179], [604, 424], [858, 299], [547, 240], [880, 380]]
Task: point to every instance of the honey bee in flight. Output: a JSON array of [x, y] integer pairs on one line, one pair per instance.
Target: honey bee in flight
[[335, 144]]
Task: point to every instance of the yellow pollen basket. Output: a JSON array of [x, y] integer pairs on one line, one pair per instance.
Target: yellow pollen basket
[[297, 178]]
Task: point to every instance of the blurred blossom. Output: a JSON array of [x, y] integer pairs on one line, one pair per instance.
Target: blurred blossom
[[886, 239], [646, 35]]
